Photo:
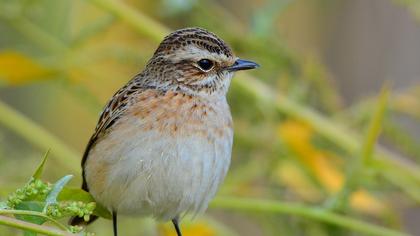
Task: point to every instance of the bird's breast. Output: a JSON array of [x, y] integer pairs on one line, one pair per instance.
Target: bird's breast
[[176, 113], [166, 155]]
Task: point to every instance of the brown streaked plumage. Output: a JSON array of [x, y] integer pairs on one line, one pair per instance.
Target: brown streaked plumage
[[162, 145]]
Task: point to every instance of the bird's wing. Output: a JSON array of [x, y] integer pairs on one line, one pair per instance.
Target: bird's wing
[[111, 113]]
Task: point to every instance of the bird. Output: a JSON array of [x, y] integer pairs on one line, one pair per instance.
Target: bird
[[163, 143]]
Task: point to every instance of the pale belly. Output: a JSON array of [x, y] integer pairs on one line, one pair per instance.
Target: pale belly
[[138, 172]]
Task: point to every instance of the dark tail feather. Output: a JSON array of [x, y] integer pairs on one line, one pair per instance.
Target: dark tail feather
[[75, 220]]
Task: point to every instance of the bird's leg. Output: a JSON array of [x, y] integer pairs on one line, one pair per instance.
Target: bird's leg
[[175, 221], [114, 223]]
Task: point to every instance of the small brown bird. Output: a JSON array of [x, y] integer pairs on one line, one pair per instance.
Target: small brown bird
[[163, 143]]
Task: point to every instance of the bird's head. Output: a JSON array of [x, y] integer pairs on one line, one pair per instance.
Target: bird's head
[[195, 61]]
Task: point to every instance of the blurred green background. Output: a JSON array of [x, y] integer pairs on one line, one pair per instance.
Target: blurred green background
[[306, 122]]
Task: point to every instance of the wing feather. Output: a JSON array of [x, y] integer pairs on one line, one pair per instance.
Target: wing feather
[[109, 116]]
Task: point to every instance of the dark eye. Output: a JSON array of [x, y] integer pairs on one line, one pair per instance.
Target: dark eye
[[205, 64]]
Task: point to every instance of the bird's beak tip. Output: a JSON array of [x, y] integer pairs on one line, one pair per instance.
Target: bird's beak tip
[[243, 65]]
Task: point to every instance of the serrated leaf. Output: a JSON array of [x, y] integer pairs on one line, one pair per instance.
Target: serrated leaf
[[75, 194], [55, 191], [40, 168]]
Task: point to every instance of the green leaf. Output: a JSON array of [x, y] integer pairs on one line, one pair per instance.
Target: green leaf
[[102, 211], [31, 206], [375, 126], [3, 205], [58, 187], [39, 170], [75, 194]]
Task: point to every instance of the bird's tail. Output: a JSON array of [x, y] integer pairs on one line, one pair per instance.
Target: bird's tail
[[75, 220]]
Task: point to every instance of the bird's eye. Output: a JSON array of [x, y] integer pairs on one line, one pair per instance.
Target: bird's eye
[[205, 64]]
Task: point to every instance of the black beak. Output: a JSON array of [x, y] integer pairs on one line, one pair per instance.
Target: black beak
[[242, 65]]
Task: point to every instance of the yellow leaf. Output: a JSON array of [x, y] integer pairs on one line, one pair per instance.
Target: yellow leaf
[[363, 201], [321, 163], [200, 228], [291, 176], [329, 176], [298, 137], [16, 68]]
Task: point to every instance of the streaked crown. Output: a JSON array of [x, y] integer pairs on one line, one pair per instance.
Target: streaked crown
[[195, 61], [196, 37]]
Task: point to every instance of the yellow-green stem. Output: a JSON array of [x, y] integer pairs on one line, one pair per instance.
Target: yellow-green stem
[[362, 162], [32, 213], [334, 132], [39, 137], [146, 26], [45, 230], [275, 207]]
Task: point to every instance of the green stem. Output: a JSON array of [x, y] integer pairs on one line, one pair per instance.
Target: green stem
[[362, 163], [32, 31], [33, 213], [374, 129], [268, 206], [142, 23], [334, 132], [12, 222], [38, 136]]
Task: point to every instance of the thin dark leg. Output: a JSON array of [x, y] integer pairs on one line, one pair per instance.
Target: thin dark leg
[[176, 224], [114, 223]]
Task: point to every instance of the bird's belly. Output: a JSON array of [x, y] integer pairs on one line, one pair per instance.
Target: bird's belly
[[157, 174]]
